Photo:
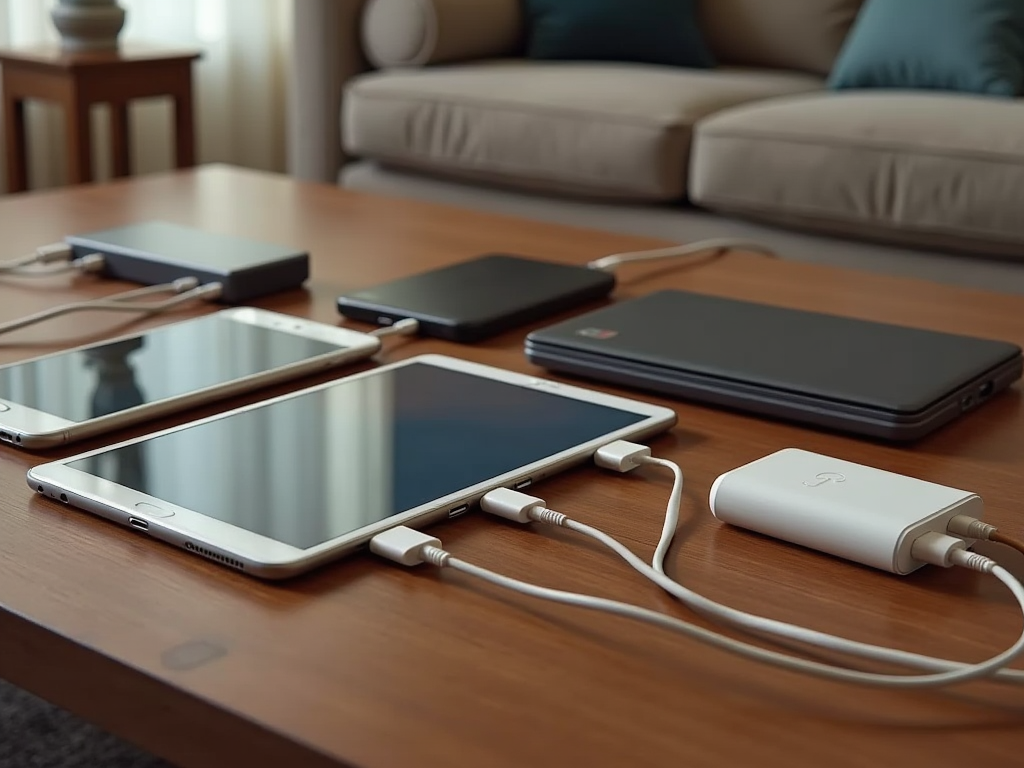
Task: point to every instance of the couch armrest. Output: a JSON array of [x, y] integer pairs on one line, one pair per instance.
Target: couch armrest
[[327, 51], [414, 33]]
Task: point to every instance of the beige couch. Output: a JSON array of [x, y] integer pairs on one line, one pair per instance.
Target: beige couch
[[436, 101]]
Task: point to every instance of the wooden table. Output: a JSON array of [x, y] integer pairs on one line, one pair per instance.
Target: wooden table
[[366, 664], [76, 81]]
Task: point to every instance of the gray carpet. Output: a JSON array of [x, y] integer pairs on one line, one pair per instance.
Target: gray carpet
[[35, 734]]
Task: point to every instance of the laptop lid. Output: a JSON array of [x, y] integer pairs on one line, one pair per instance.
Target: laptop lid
[[874, 365]]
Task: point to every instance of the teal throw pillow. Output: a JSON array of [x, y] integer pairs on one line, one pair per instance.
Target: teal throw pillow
[[973, 46], [650, 31]]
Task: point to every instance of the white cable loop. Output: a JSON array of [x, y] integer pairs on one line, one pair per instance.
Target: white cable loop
[[675, 501], [720, 244], [435, 556], [761, 625]]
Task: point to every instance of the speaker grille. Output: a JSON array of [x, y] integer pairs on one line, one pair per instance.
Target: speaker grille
[[214, 556]]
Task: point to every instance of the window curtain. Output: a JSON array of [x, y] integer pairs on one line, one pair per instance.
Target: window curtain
[[238, 84]]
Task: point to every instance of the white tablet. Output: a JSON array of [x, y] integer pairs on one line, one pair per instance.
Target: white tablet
[[279, 487]]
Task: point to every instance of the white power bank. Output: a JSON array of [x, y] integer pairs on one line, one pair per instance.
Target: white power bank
[[861, 513]]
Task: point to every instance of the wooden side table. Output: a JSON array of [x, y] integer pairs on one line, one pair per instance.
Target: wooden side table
[[75, 81]]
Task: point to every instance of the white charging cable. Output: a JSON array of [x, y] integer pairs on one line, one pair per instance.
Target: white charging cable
[[623, 457], [53, 259], [91, 262], [409, 547], [44, 254], [716, 246], [187, 288]]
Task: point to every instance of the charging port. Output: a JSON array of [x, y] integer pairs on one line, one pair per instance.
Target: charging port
[[985, 391], [524, 483], [459, 510], [7, 437], [135, 522]]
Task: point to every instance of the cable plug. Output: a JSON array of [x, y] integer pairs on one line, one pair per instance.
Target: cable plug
[[183, 284], [409, 326], [964, 558], [409, 547], [936, 549], [972, 528], [519, 507], [621, 456], [91, 262], [208, 291], [946, 551], [969, 527], [52, 253]]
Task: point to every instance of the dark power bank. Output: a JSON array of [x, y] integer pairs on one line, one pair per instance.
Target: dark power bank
[[476, 299], [154, 252]]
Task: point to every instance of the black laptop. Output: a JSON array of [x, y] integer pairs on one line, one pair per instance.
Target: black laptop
[[874, 379]]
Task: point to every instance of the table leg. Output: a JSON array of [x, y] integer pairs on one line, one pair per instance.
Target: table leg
[[120, 139], [184, 126], [79, 140], [17, 146]]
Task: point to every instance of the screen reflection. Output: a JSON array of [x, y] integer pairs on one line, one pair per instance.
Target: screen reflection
[[116, 390], [313, 467], [167, 362]]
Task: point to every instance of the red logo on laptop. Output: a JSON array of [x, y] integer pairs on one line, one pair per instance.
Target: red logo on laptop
[[597, 333]]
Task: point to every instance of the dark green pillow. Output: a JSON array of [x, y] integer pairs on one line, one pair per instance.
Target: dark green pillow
[[651, 31], [975, 46]]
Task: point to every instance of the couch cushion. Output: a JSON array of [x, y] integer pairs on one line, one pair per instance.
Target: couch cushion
[[614, 130], [945, 171], [803, 35]]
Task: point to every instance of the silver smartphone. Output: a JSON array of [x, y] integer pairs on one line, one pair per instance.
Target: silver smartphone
[[279, 487], [70, 395]]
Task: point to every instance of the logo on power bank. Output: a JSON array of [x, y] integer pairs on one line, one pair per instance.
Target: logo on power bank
[[597, 333], [825, 477]]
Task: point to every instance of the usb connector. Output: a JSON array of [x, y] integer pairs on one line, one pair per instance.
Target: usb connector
[[405, 546], [621, 456]]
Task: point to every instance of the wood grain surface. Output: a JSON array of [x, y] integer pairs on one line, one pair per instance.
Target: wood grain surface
[[53, 55], [365, 664]]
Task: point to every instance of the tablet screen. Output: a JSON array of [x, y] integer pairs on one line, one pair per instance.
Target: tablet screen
[[82, 384], [310, 468]]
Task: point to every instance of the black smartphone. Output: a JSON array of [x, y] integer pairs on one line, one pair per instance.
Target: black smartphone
[[476, 299]]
